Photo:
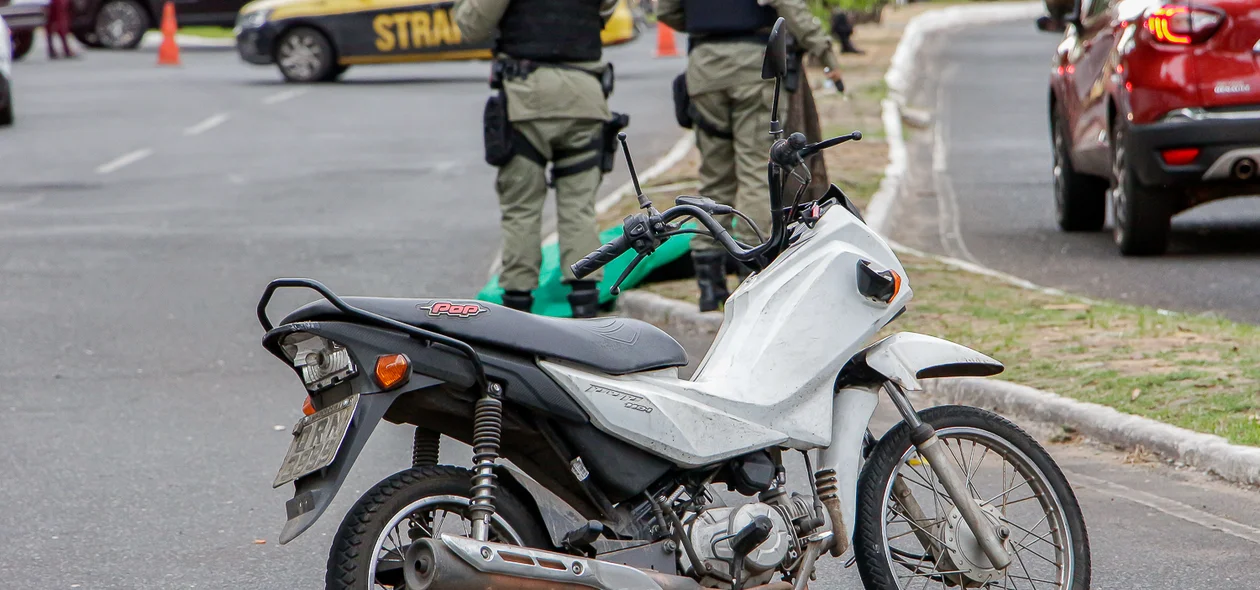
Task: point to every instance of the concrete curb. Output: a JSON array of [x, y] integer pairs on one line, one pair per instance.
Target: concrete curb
[[900, 79], [1204, 451], [153, 39]]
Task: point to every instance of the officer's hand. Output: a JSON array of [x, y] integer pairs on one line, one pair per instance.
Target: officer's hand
[[834, 76]]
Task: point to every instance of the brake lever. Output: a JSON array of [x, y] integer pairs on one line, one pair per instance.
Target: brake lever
[[616, 288]]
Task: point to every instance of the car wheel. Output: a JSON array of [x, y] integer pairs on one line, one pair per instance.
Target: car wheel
[[121, 24], [1080, 201], [1143, 217], [305, 55], [88, 39], [22, 42]]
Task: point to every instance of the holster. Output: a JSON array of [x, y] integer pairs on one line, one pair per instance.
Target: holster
[[608, 154], [497, 131], [792, 80], [687, 115]]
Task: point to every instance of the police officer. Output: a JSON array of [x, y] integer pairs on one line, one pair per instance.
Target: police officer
[[731, 108], [549, 70]]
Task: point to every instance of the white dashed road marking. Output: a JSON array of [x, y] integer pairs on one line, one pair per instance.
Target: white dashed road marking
[[124, 160], [210, 123], [286, 95]]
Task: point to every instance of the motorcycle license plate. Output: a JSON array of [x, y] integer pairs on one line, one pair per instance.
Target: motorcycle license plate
[[316, 439]]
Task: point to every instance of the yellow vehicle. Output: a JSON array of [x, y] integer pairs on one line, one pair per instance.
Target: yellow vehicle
[[317, 40]]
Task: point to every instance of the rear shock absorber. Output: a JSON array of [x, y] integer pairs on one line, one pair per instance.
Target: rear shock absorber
[[487, 434]]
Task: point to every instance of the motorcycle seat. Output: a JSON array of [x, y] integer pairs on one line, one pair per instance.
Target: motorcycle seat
[[612, 345]]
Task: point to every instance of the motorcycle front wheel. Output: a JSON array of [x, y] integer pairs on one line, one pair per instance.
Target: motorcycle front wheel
[[909, 536], [424, 502]]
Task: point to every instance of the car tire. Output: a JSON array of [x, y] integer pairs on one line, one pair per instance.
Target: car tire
[[87, 38], [6, 113], [1142, 216], [121, 24], [304, 55], [22, 42], [1080, 201]]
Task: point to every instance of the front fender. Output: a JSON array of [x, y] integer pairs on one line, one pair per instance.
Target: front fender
[[906, 357], [313, 493]]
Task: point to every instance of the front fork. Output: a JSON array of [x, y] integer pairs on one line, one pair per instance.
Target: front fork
[[947, 472]]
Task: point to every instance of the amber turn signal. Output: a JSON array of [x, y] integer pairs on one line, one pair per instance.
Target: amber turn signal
[[307, 408], [392, 370]]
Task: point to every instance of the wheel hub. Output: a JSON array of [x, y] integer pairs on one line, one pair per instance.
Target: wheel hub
[[962, 550]]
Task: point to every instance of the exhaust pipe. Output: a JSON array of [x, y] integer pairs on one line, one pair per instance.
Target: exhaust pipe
[[1244, 169], [460, 563]]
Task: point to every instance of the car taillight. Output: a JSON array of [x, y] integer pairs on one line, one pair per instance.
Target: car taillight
[[1182, 25]]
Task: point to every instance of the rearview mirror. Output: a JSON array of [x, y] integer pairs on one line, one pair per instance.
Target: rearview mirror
[[775, 64]]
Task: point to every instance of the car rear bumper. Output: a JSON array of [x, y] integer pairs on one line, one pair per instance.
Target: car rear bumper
[[1222, 142], [257, 46], [23, 17]]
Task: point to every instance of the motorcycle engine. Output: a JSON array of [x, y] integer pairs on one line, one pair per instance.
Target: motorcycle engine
[[711, 533]]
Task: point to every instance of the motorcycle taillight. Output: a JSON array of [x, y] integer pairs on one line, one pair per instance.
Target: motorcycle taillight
[[1182, 25]]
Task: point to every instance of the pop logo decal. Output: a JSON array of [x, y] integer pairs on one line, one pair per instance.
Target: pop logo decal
[[459, 310]]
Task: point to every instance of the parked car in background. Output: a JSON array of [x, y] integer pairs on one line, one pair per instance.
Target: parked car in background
[[6, 76], [1157, 105], [23, 17], [317, 40], [121, 24]]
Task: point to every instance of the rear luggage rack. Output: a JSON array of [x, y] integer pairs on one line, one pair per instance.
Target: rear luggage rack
[[368, 317]]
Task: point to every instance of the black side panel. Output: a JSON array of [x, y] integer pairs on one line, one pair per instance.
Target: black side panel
[[623, 471], [529, 386]]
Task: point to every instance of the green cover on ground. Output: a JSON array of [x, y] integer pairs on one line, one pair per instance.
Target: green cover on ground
[[550, 298]]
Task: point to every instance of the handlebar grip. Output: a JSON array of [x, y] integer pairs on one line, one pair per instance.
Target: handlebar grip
[[597, 259]]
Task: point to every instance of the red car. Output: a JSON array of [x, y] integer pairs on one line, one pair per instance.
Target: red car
[[1157, 104]]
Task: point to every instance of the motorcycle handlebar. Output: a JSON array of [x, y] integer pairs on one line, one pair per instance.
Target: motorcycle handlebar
[[597, 259], [619, 245]]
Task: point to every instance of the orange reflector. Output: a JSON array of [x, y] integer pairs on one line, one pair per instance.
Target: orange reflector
[[1180, 156], [307, 408], [392, 370], [896, 284]]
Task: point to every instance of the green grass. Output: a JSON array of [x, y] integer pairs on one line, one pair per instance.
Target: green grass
[[209, 32], [1195, 371]]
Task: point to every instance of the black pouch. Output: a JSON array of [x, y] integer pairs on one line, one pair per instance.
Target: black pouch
[[682, 102], [497, 131], [607, 80], [613, 126]]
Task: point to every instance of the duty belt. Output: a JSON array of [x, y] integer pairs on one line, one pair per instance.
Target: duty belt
[[697, 40]]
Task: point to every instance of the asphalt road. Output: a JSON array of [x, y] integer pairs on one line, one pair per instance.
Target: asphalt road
[[980, 189], [142, 211]]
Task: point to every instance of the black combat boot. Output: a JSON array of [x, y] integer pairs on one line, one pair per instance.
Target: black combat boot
[[843, 32], [518, 300], [584, 299], [710, 268]]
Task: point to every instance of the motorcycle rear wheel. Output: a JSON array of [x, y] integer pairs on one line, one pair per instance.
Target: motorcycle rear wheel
[[1048, 542], [367, 551]]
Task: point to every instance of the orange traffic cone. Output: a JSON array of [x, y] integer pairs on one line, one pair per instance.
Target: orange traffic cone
[[665, 46], [168, 52]]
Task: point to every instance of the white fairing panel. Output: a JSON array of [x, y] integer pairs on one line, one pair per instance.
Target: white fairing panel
[[906, 357], [769, 376]]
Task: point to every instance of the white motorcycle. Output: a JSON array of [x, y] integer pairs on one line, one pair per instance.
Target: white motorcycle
[[616, 459]]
